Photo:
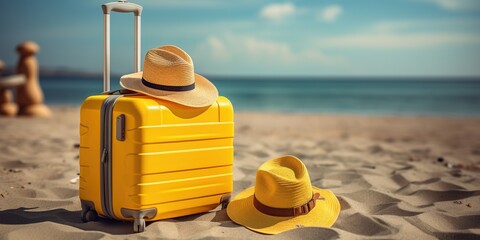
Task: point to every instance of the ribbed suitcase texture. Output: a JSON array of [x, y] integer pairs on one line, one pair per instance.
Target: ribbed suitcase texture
[[164, 160]]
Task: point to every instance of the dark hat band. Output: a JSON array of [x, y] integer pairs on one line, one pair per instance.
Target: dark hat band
[[287, 212], [168, 88]]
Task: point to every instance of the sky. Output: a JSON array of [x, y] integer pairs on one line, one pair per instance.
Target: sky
[[258, 38]]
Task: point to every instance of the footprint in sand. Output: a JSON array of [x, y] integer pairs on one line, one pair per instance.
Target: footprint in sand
[[307, 233], [421, 153], [260, 154], [54, 229], [393, 209], [443, 226], [371, 197], [17, 164], [425, 198], [238, 174], [384, 183], [444, 186], [22, 192], [375, 149], [64, 193], [366, 226], [51, 173], [239, 186]]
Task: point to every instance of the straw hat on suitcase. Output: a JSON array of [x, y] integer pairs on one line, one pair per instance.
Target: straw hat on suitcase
[[168, 74]]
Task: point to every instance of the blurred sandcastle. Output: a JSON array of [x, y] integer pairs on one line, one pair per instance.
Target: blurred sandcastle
[[29, 95]]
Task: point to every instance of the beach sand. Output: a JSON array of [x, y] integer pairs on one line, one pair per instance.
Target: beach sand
[[395, 177]]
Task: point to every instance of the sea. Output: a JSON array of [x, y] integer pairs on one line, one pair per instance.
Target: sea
[[358, 96]]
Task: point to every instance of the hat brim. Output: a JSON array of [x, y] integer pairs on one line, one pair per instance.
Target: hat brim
[[204, 94], [242, 211]]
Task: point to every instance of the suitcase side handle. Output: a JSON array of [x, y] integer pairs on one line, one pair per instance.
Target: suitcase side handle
[[120, 6]]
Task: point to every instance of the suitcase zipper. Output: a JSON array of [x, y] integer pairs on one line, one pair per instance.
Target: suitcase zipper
[[105, 155]]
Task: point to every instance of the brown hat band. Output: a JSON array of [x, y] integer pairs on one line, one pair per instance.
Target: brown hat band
[[167, 87], [287, 212]]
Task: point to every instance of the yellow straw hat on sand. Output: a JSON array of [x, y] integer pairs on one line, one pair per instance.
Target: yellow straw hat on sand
[[168, 74], [283, 199]]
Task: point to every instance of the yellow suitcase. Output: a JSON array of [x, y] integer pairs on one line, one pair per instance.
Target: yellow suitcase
[[145, 159]]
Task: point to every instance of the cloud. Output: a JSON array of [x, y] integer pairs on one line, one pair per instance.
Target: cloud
[[217, 47], [238, 54], [277, 11], [396, 40], [330, 13], [454, 5], [393, 26], [408, 33], [261, 50], [424, 25]]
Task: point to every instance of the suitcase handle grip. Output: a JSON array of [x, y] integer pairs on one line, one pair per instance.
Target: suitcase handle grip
[[120, 6]]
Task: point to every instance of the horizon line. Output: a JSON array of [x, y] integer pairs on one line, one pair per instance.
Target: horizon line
[[75, 73]]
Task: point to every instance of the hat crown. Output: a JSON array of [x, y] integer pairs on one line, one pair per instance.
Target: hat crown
[[168, 65], [283, 183]]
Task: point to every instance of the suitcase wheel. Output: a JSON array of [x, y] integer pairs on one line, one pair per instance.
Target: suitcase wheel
[[139, 225], [225, 205], [89, 215], [225, 201]]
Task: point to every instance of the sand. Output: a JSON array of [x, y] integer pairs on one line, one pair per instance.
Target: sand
[[396, 177]]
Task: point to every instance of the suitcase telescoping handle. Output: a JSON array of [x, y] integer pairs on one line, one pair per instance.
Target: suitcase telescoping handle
[[120, 6]]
